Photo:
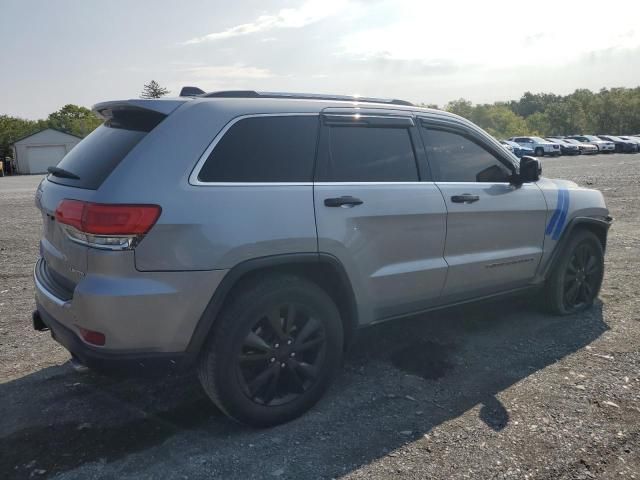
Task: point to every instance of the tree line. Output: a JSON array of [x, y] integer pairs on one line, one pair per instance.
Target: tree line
[[73, 119], [609, 111], [613, 111]]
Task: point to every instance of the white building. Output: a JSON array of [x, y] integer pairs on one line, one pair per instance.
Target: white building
[[38, 151]]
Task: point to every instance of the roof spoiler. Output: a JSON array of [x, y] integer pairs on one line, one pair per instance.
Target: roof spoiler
[[165, 107], [191, 92]]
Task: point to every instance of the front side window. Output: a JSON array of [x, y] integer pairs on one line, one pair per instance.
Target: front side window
[[264, 149], [367, 154], [455, 158]]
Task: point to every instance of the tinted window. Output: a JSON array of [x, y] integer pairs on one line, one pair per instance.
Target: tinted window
[[264, 149], [455, 158], [95, 157], [367, 154]]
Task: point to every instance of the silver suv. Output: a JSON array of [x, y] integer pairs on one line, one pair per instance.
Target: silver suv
[[249, 235]]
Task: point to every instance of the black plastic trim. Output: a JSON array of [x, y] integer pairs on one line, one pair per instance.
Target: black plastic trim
[[367, 120], [208, 318]]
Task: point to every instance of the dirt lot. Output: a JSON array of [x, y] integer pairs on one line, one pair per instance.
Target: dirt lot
[[499, 391]]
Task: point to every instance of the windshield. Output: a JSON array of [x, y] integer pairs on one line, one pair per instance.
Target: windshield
[[539, 140], [593, 138]]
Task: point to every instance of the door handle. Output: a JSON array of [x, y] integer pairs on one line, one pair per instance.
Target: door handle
[[345, 201], [465, 198]]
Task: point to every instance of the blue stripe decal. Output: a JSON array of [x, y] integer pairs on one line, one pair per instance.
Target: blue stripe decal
[[556, 214], [563, 216]]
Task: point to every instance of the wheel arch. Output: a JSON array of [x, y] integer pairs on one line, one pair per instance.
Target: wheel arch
[[323, 269], [598, 226]]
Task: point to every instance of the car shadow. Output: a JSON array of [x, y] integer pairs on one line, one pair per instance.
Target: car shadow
[[401, 379]]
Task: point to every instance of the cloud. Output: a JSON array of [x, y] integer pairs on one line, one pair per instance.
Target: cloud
[[490, 33], [309, 12]]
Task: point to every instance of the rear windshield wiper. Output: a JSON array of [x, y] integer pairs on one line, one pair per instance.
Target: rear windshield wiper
[[62, 173]]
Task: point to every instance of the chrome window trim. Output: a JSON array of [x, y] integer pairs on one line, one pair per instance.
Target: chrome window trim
[[333, 184], [193, 177]]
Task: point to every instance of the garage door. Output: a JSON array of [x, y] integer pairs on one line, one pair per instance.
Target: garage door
[[43, 157]]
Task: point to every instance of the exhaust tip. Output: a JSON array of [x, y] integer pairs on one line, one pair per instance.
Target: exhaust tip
[[77, 365], [38, 323]]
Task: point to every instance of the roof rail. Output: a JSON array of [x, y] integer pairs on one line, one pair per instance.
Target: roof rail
[[301, 96]]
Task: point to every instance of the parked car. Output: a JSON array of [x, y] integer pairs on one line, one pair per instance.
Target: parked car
[[519, 150], [249, 235], [585, 148], [631, 138], [540, 146], [604, 146], [622, 146], [567, 148]]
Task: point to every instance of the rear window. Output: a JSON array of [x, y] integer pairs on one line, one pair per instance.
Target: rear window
[[95, 157], [264, 149]]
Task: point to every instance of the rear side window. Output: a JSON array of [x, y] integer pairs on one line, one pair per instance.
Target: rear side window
[[367, 154], [456, 158], [264, 149], [95, 157]]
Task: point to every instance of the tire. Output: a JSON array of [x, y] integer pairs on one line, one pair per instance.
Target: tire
[[563, 295], [539, 152], [267, 363]]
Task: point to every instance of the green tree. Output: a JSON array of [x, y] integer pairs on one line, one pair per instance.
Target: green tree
[[73, 119], [538, 124], [461, 107], [153, 90], [12, 129]]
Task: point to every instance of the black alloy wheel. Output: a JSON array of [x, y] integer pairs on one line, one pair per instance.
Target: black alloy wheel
[[582, 277], [575, 280], [281, 355], [275, 348]]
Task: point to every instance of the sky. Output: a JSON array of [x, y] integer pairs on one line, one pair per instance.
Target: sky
[[54, 52]]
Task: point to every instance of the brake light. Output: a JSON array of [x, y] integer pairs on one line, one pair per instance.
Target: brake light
[[112, 226]]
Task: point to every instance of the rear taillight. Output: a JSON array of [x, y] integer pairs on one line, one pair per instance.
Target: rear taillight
[[108, 226]]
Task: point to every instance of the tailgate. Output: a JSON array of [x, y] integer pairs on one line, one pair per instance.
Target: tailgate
[[66, 261]]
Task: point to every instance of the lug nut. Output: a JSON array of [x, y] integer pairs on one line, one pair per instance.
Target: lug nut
[[289, 342], [277, 345], [283, 365], [293, 354], [273, 359]]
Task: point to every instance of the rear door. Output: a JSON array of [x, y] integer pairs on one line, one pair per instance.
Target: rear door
[[378, 212], [495, 230]]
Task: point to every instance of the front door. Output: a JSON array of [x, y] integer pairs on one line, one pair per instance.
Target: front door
[[495, 230], [378, 213]]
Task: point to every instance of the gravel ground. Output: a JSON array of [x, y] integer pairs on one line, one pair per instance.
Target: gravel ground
[[497, 391]]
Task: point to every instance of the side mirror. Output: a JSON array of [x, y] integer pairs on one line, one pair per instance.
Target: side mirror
[[530, 169]]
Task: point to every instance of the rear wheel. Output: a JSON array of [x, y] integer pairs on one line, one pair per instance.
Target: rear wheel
[[576, 280], [274, 351]]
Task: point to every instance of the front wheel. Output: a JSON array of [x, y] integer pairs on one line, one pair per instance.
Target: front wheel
[[274, 351], [575, 282], [539, 152]]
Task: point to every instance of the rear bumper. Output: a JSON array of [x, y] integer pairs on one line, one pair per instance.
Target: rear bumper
[[112, 361], [143, 315]]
